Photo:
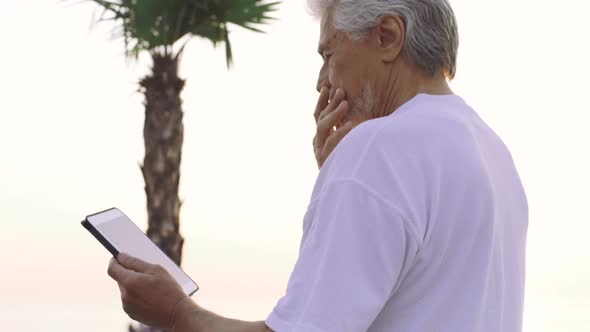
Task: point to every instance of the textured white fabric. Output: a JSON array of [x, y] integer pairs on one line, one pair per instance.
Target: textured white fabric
[[417, 222]]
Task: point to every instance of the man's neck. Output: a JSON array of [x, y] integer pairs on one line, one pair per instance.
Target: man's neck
[[401, 88]]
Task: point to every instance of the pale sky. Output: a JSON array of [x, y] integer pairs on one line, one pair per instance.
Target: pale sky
[[71, 140]]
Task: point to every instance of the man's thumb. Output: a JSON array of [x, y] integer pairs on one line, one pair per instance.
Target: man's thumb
[[134, 263]]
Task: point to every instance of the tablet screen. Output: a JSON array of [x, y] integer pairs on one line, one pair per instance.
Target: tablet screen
[[126, 237]]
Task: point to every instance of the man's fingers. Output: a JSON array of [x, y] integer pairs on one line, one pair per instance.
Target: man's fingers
[[322, 102], [332, 119], [117, 271], [337, 136], [338, 98], [325, 126], [322, 153], [330, 111], [134, 263]]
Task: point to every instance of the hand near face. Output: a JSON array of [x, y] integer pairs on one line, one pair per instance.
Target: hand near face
[[149, 293], [329, 114]]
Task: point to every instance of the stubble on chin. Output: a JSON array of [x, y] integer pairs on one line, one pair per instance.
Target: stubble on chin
[[361, 108]]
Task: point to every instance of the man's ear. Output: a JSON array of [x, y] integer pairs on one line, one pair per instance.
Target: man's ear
[[390, 33]]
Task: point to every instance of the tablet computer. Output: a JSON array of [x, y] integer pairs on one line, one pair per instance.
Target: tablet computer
[[118, 233]]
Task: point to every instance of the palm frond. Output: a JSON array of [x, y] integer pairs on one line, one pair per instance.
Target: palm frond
[[228, 51], [249, 13], [149, 25]]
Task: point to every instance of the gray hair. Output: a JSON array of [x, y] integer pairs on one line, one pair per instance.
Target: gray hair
[[431, 39]]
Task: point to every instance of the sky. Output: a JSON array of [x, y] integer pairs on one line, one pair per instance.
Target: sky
[[71, 141]]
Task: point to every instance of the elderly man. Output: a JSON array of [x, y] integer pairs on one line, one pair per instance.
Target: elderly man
[[418, 218]]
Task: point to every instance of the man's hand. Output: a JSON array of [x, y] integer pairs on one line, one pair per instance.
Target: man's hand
[[149, 293], [327, 115], [151, 296]]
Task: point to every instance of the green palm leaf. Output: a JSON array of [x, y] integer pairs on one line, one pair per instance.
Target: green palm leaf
[[157, 25]]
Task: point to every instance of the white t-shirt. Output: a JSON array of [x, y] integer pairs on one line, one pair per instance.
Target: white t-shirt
[[417, 222]]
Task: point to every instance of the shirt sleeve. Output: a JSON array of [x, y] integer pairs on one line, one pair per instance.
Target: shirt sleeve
[[351, 257]]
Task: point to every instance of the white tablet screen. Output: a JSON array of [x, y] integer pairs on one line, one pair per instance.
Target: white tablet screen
[[126, 237]]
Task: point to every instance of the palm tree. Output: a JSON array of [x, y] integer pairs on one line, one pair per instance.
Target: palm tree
[[162, 28]]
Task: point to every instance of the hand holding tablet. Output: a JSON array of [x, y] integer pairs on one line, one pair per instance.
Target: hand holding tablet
[[120, 235]]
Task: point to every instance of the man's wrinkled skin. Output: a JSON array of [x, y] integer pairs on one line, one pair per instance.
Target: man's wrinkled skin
[[360, 79]]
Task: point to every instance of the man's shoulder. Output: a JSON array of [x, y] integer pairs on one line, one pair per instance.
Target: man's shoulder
[[413, 130], [371, 142], [415, 135]]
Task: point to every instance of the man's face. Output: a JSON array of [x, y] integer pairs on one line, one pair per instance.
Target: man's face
[[348, 64]]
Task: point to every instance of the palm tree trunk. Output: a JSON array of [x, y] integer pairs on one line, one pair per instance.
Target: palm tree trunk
[[163, 137]]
